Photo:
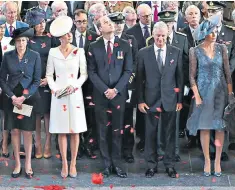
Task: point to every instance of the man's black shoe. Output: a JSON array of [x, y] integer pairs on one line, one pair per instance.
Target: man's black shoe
[[119, 172], [150, 172], [172, 173], [129, 158], [107, 171]]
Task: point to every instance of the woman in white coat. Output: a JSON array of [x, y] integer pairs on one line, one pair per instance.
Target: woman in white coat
[[66, 63]]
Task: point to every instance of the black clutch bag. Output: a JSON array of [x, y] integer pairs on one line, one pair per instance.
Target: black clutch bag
[[229, 118]]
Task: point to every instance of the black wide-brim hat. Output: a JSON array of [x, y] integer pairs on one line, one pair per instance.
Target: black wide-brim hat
[[21, 32]]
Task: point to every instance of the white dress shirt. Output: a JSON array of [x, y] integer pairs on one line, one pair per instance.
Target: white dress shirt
[[111, 44], [8, 26], [143, 29], [171, 37], [97, 30], [78, 36], [162, 54]]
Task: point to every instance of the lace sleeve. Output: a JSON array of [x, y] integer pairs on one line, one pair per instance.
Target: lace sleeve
[[226, 64], [192, 67]]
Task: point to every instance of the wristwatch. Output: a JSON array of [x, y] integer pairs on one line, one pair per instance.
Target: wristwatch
[[116, 91]]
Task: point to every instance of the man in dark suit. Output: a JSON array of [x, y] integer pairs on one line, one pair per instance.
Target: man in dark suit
[[73, 5], [160, 67], [82, 37], [192, 15], [225, 36], [180, 41], [10, 10], [130, 17], [128, 135], [44, 5], [109, 69], [141, 31]]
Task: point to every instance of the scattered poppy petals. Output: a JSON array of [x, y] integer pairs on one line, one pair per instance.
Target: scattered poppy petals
[[121, 132], [94, 157], [43, 45], [76, 89], [177, 176], [126, 126], [109, 111], [88, 97], [89, 53], [97, 178], [89, 37], [132, 186], [132, 130], [159, 109], [111, 186], [157, 117], [118, 107], [108, 124], [49, 35], [20, 117], [75, 51], [217, 143], [33, 42], [57, 156], [91, 141], [91, 104], [176, 90], [115, 130], [25, 91], [6, 163], [213, 179], [65, 109]]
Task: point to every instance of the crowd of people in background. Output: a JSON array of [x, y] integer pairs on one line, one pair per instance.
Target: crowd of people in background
[[85, 67]]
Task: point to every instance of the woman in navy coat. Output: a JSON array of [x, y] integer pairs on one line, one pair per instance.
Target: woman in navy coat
[[20, 76]]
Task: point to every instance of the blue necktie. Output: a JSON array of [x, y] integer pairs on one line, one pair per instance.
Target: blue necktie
[[146, 32], [159, 59]]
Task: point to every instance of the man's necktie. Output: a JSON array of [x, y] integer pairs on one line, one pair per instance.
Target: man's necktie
[[168, 41], [146, 32], [81, 41], [159, 59], [109, 52], [155, 13], [11, 30], [0, 51]]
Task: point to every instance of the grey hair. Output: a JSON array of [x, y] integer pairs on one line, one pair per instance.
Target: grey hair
[[233, 14], [159, 25], [127, 10], [4, 6], [191, 7], [142, 6], [96, 7], [165, 4], [55, 4]]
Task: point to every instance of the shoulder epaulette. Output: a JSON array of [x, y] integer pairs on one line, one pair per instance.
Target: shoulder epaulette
[[180, 33], [98, 38], [147, 40], [231, 27]]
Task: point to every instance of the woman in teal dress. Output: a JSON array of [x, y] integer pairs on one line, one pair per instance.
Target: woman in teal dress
[[211, 83]]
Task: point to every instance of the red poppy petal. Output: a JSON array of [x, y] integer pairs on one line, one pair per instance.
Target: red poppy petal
[[193, 97], [156, 117], [121, 132], [177, 175], [76, 89], [213, 179], [88, 97], [118, 107], [108, 124], [127, 126], [78, 107], [115, 130], [159, 109], [25, 91], [20, 117], [109, 111], [111, 186], [64, 106], [132, 130], [91, 104], [91, 141], [176, 90], [49, 35], [6, 163]]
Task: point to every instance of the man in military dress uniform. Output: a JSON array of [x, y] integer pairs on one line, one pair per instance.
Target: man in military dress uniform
[[225, 36], [180, 41], [128, 134]]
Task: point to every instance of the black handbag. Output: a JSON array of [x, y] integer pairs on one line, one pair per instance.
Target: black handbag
[[229, 118]]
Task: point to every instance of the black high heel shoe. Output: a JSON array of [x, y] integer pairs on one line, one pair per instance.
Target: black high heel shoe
[[16, 175], [29, 175]]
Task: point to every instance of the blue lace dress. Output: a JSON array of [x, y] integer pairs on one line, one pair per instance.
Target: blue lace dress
[[211, 77]]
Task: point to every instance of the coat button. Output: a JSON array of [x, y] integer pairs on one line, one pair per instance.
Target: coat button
[[22, 72]]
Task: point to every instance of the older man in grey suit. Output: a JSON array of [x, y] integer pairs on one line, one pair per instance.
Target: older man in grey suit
[[161, 93]]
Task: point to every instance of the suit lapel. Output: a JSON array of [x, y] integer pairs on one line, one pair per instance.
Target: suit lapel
[[167, 59], [74, 38], [87, 41], [190, 37], [103, 50], [221, 34], [152, 57], [115, 49]]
